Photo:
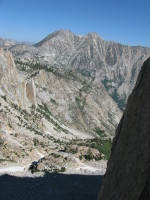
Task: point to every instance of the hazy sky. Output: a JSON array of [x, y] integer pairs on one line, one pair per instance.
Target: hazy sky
[[124, 21]]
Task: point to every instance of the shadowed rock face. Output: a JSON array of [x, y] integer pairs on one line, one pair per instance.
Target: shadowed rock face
[[127, 176]]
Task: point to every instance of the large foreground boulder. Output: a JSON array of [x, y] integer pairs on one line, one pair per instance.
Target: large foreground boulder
[[128, 172]]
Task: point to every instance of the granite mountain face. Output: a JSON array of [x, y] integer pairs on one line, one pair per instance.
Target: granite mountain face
[[116, 65], [63, 89], [127, 176]]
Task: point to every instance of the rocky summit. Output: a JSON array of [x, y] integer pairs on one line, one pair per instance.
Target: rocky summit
[[62, 98], [127, 176]]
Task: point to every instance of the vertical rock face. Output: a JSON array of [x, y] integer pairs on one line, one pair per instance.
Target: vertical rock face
[[31, 92], [13, 85], [10, 82], [129, 166]]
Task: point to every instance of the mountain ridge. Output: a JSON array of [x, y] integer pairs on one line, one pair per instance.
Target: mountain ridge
[[117, 65]]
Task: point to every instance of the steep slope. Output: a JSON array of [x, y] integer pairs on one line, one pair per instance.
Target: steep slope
[[54, 50], [116, 65], [11, 84], [17, 95], [75, 99], [127, 176], [45, 110], [97, 62], [80, 102]]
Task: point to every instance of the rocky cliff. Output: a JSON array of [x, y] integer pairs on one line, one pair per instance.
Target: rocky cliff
[[127, 176], [12, 85]]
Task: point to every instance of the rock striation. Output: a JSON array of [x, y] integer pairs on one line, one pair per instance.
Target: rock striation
[[127, 176]]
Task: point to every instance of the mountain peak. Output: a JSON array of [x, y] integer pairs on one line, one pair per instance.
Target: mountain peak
[[67, 34], [94, 35], [60, 32], [64, 31]]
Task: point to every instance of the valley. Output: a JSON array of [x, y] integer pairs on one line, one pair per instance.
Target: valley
[[63, 98]]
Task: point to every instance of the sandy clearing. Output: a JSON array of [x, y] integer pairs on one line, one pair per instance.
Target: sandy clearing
[[13, 169]]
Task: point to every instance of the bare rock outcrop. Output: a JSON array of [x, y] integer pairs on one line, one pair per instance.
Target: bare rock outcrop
[[127, 176], [31, 92], [11, 83]]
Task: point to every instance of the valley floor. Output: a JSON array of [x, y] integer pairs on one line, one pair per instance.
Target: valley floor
[[87, 168]]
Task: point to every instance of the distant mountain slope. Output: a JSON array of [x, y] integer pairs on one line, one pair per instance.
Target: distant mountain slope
[[116, 65], [7, 43]]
